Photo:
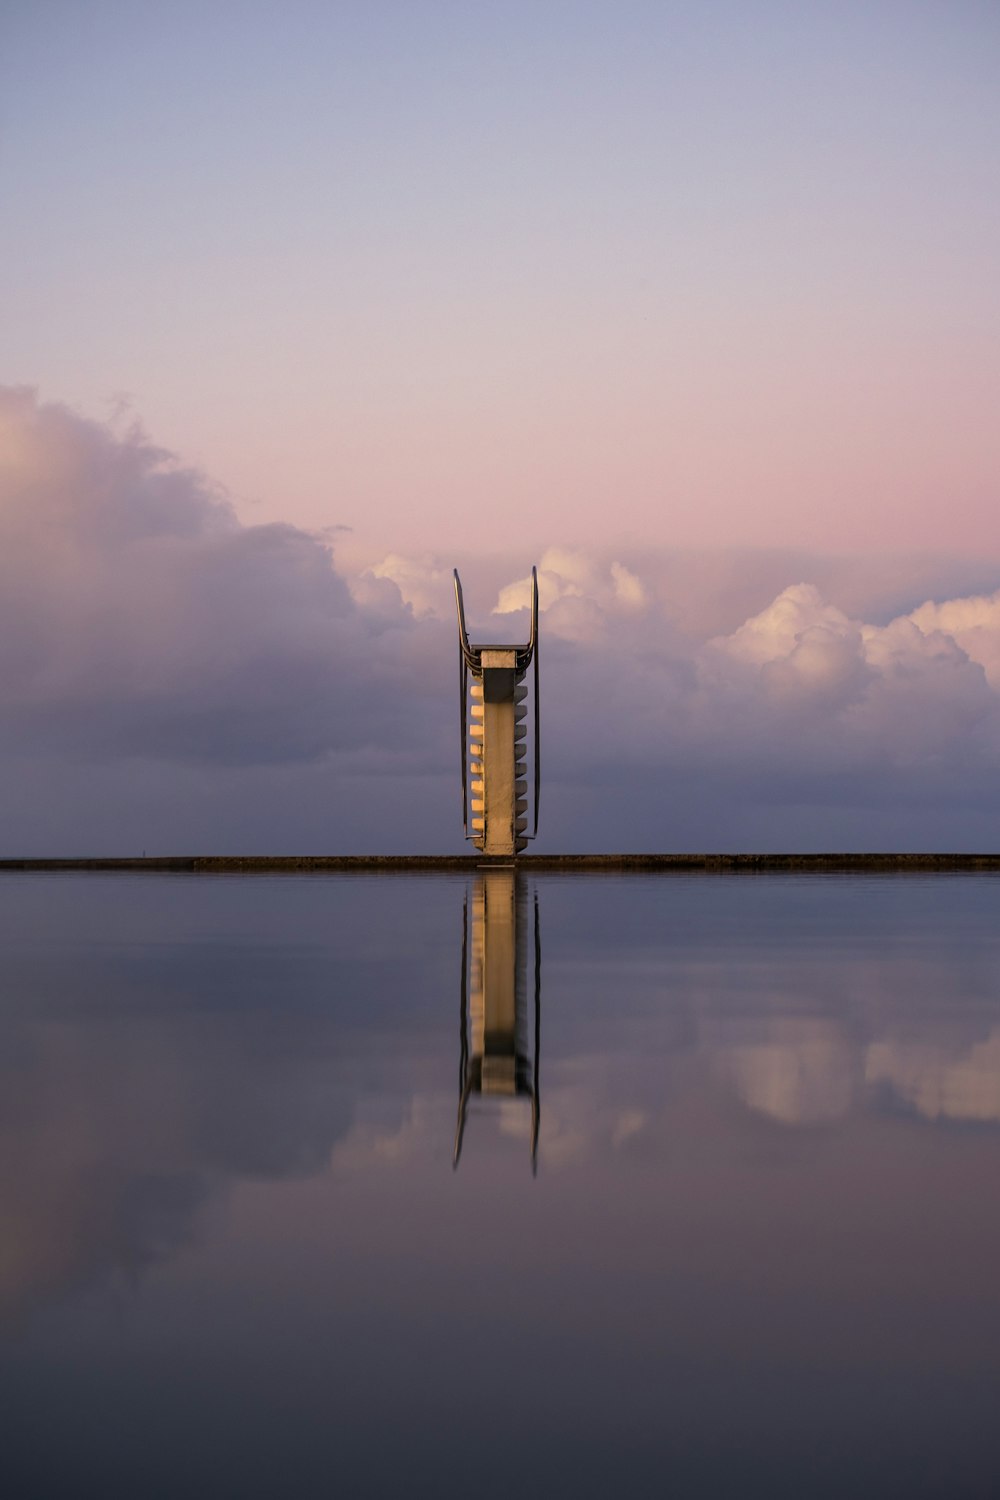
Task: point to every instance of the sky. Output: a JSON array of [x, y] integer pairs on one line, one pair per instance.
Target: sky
[[695, 305]]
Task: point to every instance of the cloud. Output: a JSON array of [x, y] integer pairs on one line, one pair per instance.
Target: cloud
[[973, 624], [777, 632], [139, 617], [422, 582], [570, 575], [687, 700]]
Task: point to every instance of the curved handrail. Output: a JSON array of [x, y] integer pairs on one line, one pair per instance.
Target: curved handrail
[[533, 654], [473, 654], [463, 634], [470, 660], [464, 662], [533, 638]]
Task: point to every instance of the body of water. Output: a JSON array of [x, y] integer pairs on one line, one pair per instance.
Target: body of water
[[379, 1185]]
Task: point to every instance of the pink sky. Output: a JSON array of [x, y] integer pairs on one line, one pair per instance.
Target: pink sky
[[695, 306], [644, 273]]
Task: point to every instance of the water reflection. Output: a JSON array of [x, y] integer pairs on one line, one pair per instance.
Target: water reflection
[[147, 1068], [760, 1257], [803, 1071], [495, 1056]]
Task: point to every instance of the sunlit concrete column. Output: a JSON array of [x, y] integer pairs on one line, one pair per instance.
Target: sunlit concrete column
[[497, 788], [494, 709]]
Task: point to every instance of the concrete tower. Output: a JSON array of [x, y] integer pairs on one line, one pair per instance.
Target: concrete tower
[[493, 710]]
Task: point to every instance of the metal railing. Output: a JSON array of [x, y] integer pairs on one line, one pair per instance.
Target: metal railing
[[470, 662]]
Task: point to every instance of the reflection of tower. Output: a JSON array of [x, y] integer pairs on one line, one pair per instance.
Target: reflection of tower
[[496, 1058], [493, 743]]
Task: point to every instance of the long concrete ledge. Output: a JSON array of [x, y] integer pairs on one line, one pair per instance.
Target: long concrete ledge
[[278, 864]]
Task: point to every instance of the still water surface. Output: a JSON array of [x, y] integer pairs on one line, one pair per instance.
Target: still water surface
[[455, 1185]]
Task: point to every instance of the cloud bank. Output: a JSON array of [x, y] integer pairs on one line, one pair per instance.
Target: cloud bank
[[157, 653], [138, 617]]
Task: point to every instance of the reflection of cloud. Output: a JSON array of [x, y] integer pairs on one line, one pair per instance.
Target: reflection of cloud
[[586, 1112], [802, 1075], [113, 1137], [630, 1122], [193, 1066], [796, 1071], [938, 1086], [426, 1126]]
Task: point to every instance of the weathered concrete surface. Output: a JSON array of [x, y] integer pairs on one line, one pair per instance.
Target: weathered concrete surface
[[751, 864], [499, 759]]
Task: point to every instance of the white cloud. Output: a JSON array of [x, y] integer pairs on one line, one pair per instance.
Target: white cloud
[[423, 582], [628, 588], [564, 574], [140, 620], [972, 623], [139, 617], [777, 632]]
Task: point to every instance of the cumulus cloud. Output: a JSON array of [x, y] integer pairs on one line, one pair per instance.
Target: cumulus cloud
[[421, 582], [973, 624], [564, 575], [896, 694], [688, 700], [802, 703], [138, 616]]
